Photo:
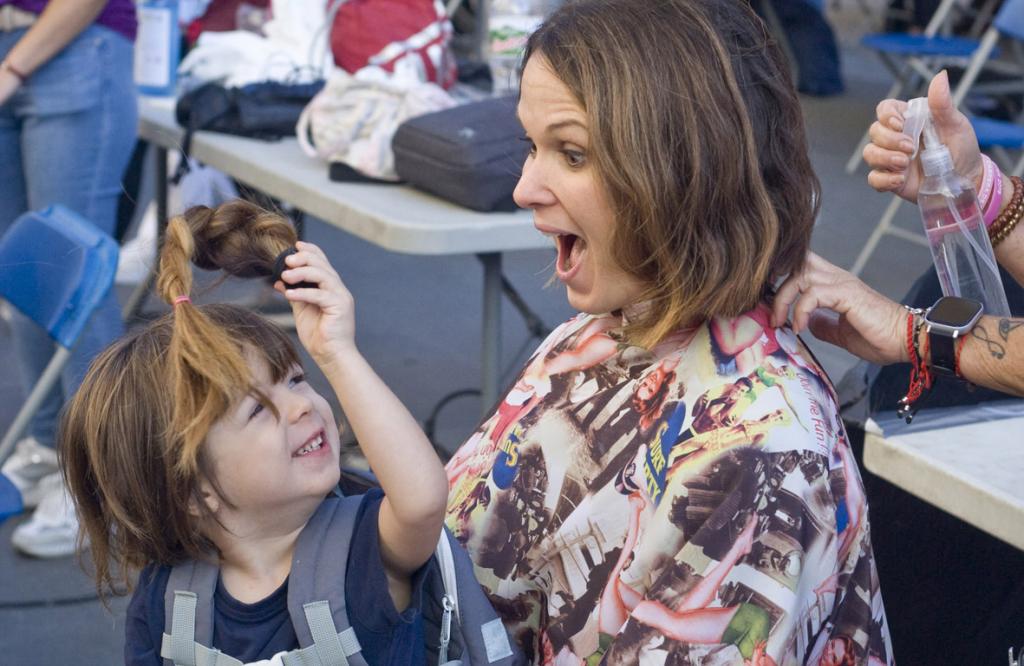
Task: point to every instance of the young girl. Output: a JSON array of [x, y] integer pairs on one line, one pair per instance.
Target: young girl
[[198, 438]]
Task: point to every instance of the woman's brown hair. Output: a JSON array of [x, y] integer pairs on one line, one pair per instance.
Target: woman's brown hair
[[131, 438], [698, 138]]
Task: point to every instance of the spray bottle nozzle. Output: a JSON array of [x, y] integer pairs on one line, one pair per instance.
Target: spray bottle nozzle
[[917, 118], [931, 137], [935, 157]]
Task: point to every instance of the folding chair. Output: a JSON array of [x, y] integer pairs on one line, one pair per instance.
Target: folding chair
[[914, 59], [55, 267], [10, 499], [994, 135]]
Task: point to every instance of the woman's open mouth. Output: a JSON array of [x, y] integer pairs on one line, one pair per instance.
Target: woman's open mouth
[[570, 253]]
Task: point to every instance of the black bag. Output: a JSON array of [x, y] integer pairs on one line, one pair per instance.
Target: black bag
[[267, 110], [471, 154]]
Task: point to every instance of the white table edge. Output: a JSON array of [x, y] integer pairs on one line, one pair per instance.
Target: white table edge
[[989, 509]]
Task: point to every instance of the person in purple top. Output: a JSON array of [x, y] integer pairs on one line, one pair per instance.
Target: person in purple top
[[67, 127]]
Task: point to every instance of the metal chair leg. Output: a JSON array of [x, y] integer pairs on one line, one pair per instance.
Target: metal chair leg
[[855, 158], [50, 376], [880, 230]]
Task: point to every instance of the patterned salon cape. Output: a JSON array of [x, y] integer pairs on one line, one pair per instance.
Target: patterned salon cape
[[693, 504]]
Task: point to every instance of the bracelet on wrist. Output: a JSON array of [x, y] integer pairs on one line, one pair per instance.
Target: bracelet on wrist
[[913, 344], [1005, 223], [920, 377], [990, 173], [918, 325], [993, 200], [956, 358], [18, 74]]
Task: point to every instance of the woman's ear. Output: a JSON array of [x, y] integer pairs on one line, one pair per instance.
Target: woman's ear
[[208, 496]]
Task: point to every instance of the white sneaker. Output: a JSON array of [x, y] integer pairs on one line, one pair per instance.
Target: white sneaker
[[52, 531], [30, 463]]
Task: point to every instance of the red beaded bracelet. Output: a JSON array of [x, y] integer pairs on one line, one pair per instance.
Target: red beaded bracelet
[[920, 377]]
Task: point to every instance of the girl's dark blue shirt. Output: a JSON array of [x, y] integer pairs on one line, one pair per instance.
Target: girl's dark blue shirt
[[251, 632]]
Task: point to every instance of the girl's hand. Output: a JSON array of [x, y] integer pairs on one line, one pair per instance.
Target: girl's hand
[[888, 153], [324, 316]]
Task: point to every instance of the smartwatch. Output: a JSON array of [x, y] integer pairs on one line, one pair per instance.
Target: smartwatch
[[948, 320]]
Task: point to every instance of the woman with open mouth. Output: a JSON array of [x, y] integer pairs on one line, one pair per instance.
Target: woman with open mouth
[[668, 164]]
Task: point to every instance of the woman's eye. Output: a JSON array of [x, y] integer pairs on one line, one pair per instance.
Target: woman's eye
[[574, 158], [297, 378], [255, 411]]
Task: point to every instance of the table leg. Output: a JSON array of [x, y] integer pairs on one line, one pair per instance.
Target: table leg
[[490, 358], [133, 307]]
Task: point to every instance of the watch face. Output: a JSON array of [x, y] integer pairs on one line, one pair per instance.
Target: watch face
[[954, 311]]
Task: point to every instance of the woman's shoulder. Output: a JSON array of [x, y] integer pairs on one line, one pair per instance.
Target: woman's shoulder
[[762, 383]]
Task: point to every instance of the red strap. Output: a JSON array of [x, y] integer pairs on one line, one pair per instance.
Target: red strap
[[956, 359], [920, 376]]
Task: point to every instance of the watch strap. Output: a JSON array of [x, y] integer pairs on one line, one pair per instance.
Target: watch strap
[[942, 353]]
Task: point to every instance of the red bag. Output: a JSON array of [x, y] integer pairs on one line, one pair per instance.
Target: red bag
[[220, 16], [395, 33]]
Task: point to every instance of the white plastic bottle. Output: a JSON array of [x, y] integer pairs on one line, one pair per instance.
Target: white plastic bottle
[[510, 24], [952, 219], [157, 47]]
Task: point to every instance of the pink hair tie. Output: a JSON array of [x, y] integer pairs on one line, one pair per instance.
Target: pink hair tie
[[182, 299]]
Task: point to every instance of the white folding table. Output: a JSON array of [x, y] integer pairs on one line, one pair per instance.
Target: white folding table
[[973, 470], [394, 217]]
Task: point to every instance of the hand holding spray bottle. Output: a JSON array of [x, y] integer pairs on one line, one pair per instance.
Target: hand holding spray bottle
[[953, 221]]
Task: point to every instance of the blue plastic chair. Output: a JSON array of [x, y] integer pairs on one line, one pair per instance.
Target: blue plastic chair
[[55, 267], [998, 135], [995, 135], [914, 59], [10, 499]]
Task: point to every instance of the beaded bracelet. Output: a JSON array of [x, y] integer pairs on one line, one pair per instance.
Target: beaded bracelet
[[918, 317], [920, 377], [1009, 218]]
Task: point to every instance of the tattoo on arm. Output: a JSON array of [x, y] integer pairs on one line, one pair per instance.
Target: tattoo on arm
[[997, 346], [1006, 326], [997, 350]]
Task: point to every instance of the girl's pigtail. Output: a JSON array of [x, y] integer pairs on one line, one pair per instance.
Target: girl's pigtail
[[207, 369]]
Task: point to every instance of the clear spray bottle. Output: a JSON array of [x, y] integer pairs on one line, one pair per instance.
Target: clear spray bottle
[[953, 221]]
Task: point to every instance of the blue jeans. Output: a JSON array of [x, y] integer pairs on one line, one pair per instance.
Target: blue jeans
[[813, 45], [65, 137]]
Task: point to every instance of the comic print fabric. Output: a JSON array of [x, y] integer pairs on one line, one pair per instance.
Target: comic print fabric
[[693, 504]]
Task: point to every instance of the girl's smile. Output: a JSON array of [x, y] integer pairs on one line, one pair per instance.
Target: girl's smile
[[263, 462]]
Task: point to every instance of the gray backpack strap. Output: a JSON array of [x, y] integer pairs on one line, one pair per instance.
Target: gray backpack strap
[[469, 622], [316, 598], [203, 656], [188, 616], [316, 587]]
